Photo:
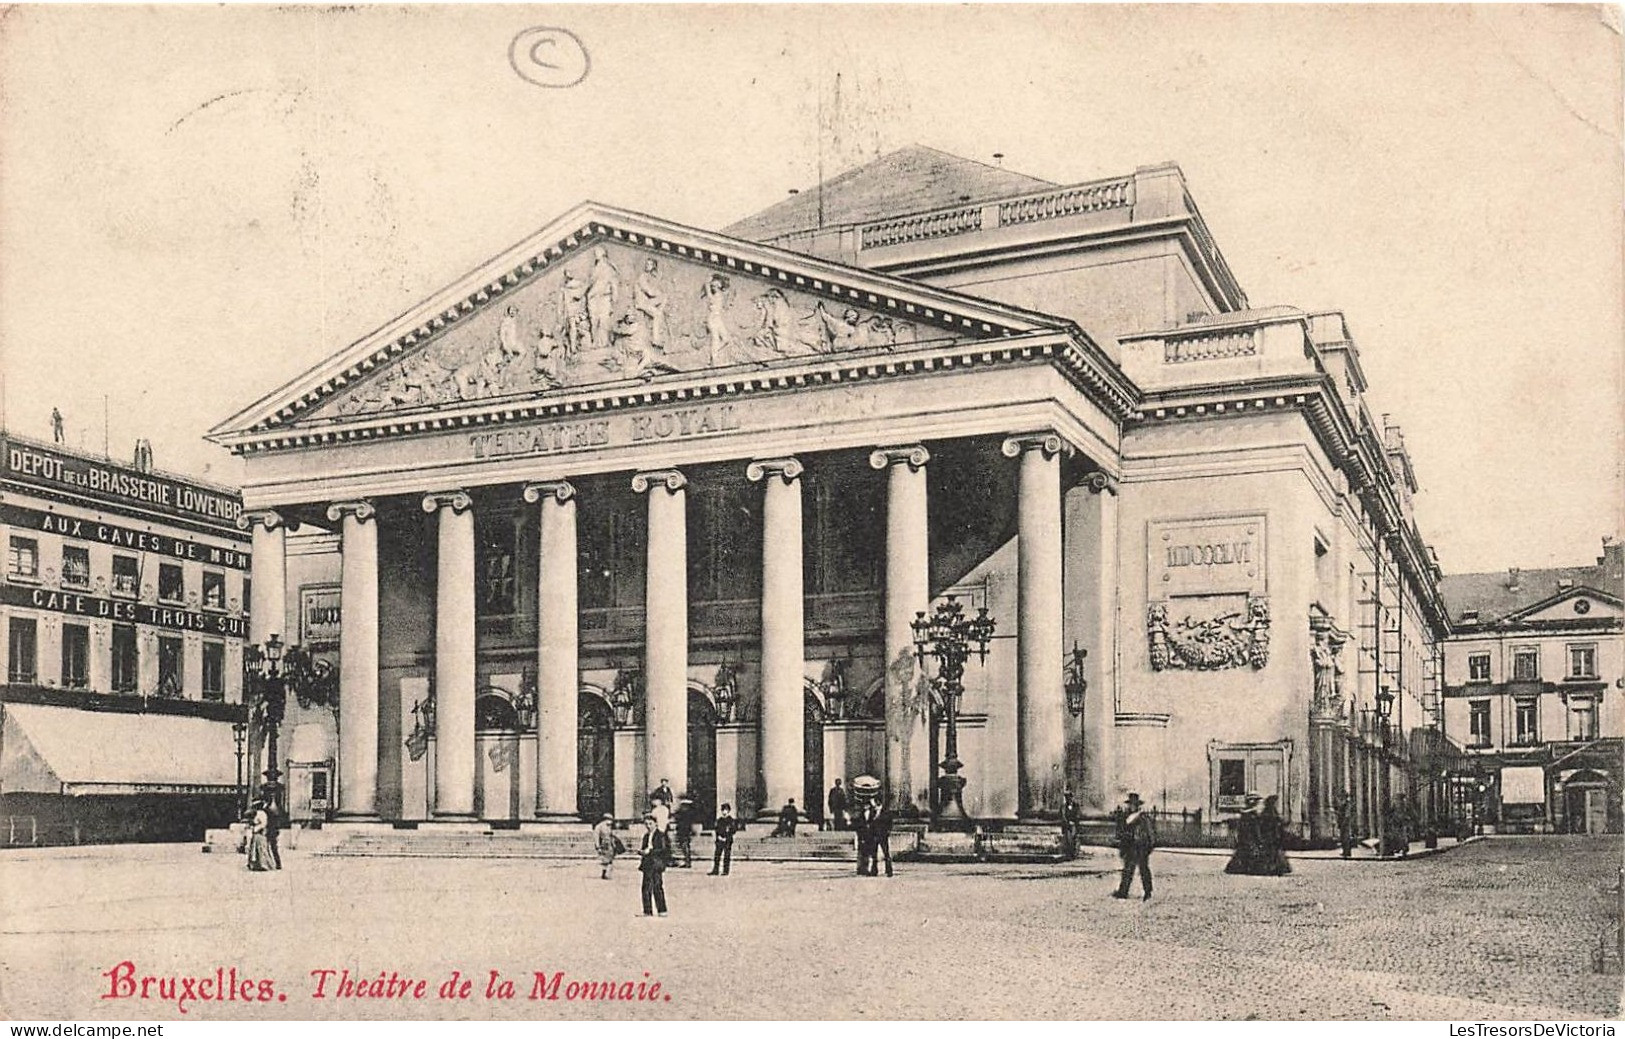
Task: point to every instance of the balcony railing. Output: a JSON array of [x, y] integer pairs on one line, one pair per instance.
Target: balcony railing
[[1053, 204]]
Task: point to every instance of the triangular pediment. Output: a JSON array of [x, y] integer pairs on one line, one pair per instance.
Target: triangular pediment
[[1572, 605], [603, 297]]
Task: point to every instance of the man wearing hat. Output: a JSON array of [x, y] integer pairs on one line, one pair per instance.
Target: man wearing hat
[[1136, 836], [604, 839], [722, 855]]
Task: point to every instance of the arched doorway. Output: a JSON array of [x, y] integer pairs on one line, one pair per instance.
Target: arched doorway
[[702, 755], [595, 756], [496, 743], [812, 759]]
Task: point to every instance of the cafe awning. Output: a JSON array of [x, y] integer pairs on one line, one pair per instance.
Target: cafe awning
[[60, 750]]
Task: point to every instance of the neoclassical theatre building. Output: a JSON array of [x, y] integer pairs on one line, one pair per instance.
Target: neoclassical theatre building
[[637, 501]]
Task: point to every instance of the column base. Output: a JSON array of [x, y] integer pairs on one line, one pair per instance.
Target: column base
[[438, 816], [558, 817]]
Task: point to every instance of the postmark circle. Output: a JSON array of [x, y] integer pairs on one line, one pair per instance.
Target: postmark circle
[[549, 57]]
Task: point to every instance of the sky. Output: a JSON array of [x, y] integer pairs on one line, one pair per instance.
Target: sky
[[199, 203]]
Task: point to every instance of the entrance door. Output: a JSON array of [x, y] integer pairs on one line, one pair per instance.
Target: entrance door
[[595, 757], [702, 756]]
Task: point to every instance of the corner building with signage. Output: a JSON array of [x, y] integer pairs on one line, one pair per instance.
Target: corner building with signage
[[637, 501], [122, 618]]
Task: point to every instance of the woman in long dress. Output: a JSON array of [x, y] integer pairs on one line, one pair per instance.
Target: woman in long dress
[[1272, 830], [259, 843], [1249, 851]]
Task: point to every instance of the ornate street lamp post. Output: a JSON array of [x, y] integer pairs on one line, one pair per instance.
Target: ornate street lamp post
[[949, 637], [239, 733], [269, 671]]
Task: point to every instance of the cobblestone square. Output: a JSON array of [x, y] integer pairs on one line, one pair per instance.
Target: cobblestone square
[[1499, 929]]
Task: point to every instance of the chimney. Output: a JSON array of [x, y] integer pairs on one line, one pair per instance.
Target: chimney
[[1512, 579]]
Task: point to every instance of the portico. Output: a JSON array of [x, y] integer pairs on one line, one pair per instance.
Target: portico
[[716, 544]]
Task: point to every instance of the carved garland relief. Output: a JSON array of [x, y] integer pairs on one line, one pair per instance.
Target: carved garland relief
[[1240, 638], [613, 312]]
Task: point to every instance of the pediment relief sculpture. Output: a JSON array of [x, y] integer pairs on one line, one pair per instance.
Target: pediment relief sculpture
[[613, 312]]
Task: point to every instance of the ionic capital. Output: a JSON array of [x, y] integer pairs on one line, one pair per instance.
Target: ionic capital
[[459, 501], [673, 480], [559, 490], [787, 468], [1047, 441], [915, 455], [270, 519], [1098, 481], [361, 510]]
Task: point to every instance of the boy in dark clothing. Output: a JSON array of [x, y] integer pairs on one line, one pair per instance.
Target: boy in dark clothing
[[722, 858], [652, 854]]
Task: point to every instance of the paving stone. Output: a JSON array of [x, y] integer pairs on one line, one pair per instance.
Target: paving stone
[[1501, 929]]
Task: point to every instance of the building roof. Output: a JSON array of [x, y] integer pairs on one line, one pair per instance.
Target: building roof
[[1496, 596], [905, 181]]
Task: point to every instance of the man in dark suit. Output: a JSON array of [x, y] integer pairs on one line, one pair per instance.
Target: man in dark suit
[[788, 816], [653, 854], [723, 856], [1136, 836], [837, 806], [1345, 824]]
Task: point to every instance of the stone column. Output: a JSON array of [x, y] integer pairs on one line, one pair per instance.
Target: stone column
[[558, 679], [665, 606], [454, 644], [783, 651], [1040, 686], [1091, 583], [358, 660], [268, 607], [908, 592]]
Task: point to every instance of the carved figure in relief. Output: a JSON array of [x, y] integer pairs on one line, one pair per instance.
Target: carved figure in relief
[[846, 332], [650, 301], [573, 308], [715, 294], [603, 286], [637, 356], [1156, 626], [547, 363], [776, 330]]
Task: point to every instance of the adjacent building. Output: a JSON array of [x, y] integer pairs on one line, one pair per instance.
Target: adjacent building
[[1534, 669], [640, 501], [122, 619]]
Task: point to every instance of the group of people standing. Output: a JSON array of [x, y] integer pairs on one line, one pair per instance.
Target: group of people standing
[[1260, 839], [265, 825]]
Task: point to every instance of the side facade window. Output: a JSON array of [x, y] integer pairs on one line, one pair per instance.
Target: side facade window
[[1478, 667], [126, 659], [171, 582], [75, 566], [1526, 664], [22, 558], [1526, 719], [22, 664], [214, 590], [171, 679], [214, 671], [75, 656], [1478, 722], [126, 576], [1583, 661]]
